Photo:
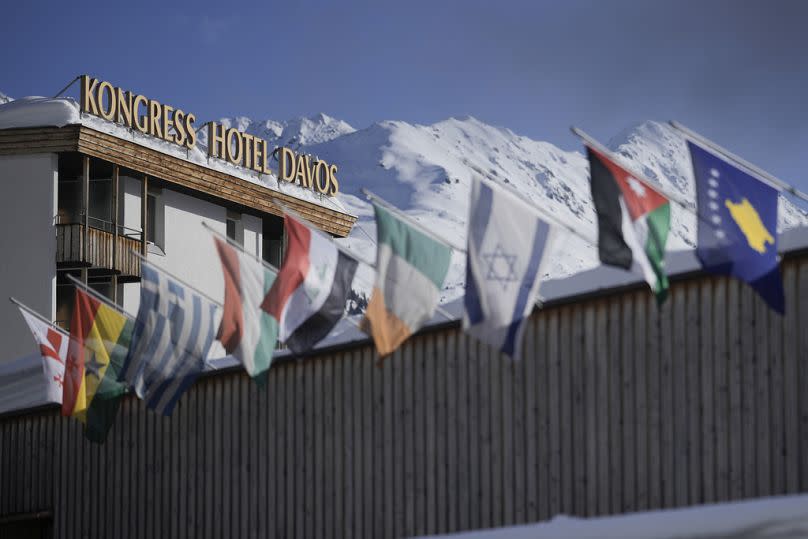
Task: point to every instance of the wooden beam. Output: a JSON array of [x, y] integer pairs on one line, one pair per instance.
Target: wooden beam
[[144, 208], [115, 187]]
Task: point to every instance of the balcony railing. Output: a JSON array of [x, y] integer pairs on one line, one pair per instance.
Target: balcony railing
[[98, 253]]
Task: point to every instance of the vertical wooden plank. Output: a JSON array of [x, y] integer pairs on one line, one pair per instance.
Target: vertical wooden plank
[[602, 403], [554, 414], [495, 360], [391, 465], [777, 449], [679, 366], [338, 521], [591, 398], [763, 404], [721, 385], [506, 400], [734, 384], [578, 415], [629, 406], [654, 394], [366, 364], [311, 385], [565, 410], [301, 426], [451, 424], [463, 367], [408, 370], [475, 363], [694, 455], [615, 406], [427, 366], [709, 392], [418, 419], [484, 433], [327, 450], [399, 439], [440, 504], [639, 389], [791, 331], [519, 465], [378, 441], [802, 294], [530, 388], [747, 328]]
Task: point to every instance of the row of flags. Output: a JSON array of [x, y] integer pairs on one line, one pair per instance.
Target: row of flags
[[159, 354]]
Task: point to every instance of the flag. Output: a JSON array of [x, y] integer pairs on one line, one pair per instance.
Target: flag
[[246, 331], [53, 347], [99, 341], [308, 297], [737, 226], [633, 222], [173, 333], [410, 269], [506, 246]]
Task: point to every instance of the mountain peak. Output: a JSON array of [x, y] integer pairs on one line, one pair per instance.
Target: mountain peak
[[4, 98]]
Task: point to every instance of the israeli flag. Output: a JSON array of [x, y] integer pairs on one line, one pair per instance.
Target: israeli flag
[[173, 333], [506, 246]]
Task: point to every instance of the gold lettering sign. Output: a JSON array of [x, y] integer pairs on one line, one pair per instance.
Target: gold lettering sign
[[135, 111], [150, 117]]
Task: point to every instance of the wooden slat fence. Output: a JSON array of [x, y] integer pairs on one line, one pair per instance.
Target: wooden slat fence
[[618, 406]]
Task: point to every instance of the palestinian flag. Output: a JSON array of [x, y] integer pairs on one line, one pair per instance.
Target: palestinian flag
[[410, 269], [99, 341], [246, 331], [308, 297], [633, 221]]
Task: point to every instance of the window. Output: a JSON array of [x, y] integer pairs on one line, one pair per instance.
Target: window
[[156, 218], [235, 228], [100, 195], [272, 232], [69, 188]]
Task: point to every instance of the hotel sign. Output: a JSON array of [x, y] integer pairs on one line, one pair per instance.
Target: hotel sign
[[150, 117]]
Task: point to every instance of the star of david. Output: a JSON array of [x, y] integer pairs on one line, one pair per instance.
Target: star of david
[[93, 366], [500, 267]]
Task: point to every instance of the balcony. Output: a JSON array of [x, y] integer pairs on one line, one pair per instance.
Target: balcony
[[101, 253]]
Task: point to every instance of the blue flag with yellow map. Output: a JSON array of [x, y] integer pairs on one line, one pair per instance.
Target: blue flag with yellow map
[[737, 225]]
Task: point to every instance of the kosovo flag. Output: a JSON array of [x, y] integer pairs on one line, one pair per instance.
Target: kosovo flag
[[737, 225]]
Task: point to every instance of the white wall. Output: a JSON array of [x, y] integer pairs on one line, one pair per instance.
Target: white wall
[[28, 246], [189, 249]]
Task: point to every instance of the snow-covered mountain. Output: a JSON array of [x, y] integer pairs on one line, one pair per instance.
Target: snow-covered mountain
[[4, 98], [426, 170]]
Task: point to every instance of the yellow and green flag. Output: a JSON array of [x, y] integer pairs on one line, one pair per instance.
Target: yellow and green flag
[[100, 338]]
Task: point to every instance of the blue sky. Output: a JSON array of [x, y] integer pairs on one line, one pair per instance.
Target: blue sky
[[736, 71]]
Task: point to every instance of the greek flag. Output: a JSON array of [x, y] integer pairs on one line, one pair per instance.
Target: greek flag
[[172, 335], [506, 246]]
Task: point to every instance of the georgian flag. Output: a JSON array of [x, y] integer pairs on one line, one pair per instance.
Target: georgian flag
[[506, 246], [309, 294], [53, 344]]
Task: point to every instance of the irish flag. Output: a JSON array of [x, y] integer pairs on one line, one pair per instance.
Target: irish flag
[[246, 331], [308, 296], [633, 222], [99, 341], [410, 270]]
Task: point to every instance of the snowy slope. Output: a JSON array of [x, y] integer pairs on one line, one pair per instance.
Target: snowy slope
[[4, 98]]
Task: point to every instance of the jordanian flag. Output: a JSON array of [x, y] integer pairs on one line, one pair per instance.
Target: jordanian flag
[[308, 297], [410, 269], [246, 331], [99, 341], [633, 222]]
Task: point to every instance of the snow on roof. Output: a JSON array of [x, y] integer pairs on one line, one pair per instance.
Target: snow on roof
[[783, 517], [62, 111]]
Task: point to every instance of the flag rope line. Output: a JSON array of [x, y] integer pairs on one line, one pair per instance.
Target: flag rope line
[[352, 254], [539, 211], [411, 221], [63, 90], [181, 281], [100, 297], [762, 175], [657, 186], [40, 317], [239, 246]]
